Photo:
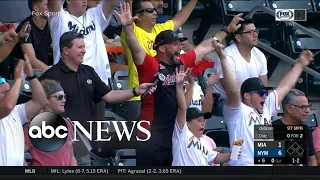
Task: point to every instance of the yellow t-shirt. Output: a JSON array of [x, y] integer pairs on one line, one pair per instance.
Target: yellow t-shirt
[[146, 41]]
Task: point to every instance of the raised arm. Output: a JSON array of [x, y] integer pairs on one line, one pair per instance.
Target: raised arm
[[182, 105], [108, 7], [290, 79], [229, 79], [27, 48], [182, 16], [39, 99], [127, 21], [54, 5], [208, 100], [8, 102], [119, 96], [207, 46], [13, 38]]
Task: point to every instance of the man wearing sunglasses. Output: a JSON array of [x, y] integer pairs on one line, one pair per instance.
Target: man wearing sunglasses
[[244, 59], [146, 29], [161, 108], [252, 105], [296, 109], [13, 116]]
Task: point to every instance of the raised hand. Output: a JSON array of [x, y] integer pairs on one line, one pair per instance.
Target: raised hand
[[143, 87], [24, 32], [18, 71], [181, 75], [125, 16], [234, 24], [219, 49], [306, 57], [27, 66], [10, 35], [189, 77]]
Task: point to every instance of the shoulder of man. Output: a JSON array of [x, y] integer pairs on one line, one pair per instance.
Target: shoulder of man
[[29, 18]]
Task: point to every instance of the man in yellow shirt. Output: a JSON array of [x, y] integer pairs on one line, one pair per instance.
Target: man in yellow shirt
[[146, 30]]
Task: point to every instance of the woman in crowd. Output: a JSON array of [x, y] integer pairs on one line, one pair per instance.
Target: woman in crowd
[[55, 103]]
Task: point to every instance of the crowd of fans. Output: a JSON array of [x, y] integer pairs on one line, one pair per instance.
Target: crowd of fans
[[76, 83]]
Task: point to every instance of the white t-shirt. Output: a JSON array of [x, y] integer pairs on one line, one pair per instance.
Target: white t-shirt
[[240, 122], [196, 97], [188, 150], [12, 137], [240, 67], [94, 22]]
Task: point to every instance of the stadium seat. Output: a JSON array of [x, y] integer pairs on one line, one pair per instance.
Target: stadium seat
[[125, 157], [120, 80], [232, 7], [220, 137], [298, 41], [203, 79], [215, 123], [28, 158], [291, 4], [97, 161]]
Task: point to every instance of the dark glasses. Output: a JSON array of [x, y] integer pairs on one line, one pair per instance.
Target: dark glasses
[[261, 92], [2, 80], [60, 96], [148, 10]]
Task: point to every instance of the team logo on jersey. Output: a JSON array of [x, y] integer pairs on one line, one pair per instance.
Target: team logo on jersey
[[253, 119], [195, 143]]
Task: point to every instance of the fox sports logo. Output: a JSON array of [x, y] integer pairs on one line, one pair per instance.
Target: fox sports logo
[[285, 14]]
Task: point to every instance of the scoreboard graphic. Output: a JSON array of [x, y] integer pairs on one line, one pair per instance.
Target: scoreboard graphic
[[280, 144]]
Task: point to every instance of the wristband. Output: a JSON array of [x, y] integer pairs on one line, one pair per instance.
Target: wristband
[[28, 78], [134, 92]]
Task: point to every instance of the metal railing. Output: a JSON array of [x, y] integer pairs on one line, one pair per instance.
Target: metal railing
[[276, 52]]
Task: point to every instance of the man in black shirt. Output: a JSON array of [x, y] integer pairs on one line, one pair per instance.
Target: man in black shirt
[[82, 85], [38, 44], [295, 112]]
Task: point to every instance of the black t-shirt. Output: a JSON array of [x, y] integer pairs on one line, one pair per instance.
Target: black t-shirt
[[84, 90], [40, 40], [309, 138], [165, 107]]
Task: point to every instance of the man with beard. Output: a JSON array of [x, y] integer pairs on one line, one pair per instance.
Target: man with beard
[[38, 44], [158, 150], [244, 59]]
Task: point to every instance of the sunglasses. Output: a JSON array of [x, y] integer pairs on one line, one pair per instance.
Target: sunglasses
[[59, 97], [2, 80], [148, 10], [261, 92]]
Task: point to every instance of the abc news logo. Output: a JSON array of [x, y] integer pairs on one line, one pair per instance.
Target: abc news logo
[[290, 14], [48, 132]]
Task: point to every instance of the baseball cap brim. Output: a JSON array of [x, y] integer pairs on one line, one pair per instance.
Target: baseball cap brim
[[171, 41], [206, 115]]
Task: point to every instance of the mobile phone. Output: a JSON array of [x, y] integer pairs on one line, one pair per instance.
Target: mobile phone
[[27, 34]]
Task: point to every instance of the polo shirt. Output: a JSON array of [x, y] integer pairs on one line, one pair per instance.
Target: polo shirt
[[84, 90]]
